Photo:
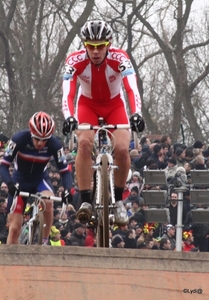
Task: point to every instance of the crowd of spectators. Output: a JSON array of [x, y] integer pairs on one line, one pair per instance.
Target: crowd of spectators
[[159, 154]]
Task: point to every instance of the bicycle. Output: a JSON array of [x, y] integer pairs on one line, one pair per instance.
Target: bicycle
[[104, 172], [36, 222]]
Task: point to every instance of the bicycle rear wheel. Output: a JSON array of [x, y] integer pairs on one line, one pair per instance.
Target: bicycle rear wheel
[[36, 235], [103, 226]]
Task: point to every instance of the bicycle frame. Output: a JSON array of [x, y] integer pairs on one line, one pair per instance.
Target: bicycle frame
[[37, 219], [104, 168], [111, 168], [104, 150]]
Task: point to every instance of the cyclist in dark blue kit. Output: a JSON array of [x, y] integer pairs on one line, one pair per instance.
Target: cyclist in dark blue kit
[[30, 150]]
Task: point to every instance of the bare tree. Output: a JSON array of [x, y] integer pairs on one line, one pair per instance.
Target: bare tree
[[36, 36], [175, 54], [171, 58], [147, 24], [6, 61]]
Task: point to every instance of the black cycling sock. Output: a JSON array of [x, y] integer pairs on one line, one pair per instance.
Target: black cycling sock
[[118, 193], [85, 196]]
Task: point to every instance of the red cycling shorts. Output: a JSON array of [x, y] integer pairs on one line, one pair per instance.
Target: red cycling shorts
[[113, 111]]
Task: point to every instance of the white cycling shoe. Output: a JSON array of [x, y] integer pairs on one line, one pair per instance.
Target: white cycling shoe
[[84, 213], [120, 213]]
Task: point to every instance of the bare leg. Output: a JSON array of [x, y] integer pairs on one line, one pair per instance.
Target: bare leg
[[83, 164], [122, 157], [15, 225], [48, 214], [122, 160], [83, 167]]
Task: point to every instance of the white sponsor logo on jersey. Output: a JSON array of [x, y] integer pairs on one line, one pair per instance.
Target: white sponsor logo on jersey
[[61, 155], [10, 148], [118, 56], [72, 60]]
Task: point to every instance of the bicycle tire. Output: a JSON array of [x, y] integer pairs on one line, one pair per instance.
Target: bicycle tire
[[32, 233], [136, 140], [37, 229], [103, 228], [40, 226], [71, 141]]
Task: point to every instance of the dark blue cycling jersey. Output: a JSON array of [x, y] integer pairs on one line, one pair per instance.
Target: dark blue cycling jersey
[[30, 164]]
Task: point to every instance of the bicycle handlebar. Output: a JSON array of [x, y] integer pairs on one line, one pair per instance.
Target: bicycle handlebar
[[105, 126], [41, 196]]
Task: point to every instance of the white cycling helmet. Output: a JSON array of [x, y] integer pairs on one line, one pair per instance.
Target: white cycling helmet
[[96, 30]]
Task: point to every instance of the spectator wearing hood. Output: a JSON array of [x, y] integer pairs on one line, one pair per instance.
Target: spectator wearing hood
[[55, 237], [134, 195], [118, 241], [136, 180]]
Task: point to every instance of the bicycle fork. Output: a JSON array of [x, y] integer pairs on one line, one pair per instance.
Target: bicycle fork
[[111, 168]]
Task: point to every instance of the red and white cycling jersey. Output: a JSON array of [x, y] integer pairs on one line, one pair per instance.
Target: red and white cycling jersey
[[99, 84]]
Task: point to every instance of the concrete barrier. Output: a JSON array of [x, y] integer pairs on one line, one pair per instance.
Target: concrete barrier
[[78, 273]]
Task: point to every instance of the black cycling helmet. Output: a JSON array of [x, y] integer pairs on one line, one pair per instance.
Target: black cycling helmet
[[96, 30]]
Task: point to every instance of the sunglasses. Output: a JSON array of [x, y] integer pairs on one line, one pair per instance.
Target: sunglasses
[[43, 140], [92, 46]]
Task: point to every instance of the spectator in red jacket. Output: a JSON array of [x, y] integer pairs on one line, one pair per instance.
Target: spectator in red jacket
[[90, 240], [188, 240]]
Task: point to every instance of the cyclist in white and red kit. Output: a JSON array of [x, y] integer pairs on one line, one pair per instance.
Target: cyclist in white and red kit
[[101, 70]]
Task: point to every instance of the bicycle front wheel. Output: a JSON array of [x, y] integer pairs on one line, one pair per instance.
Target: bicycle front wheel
[[136, 140], [71, 141], [103, 227], [36, 233]]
